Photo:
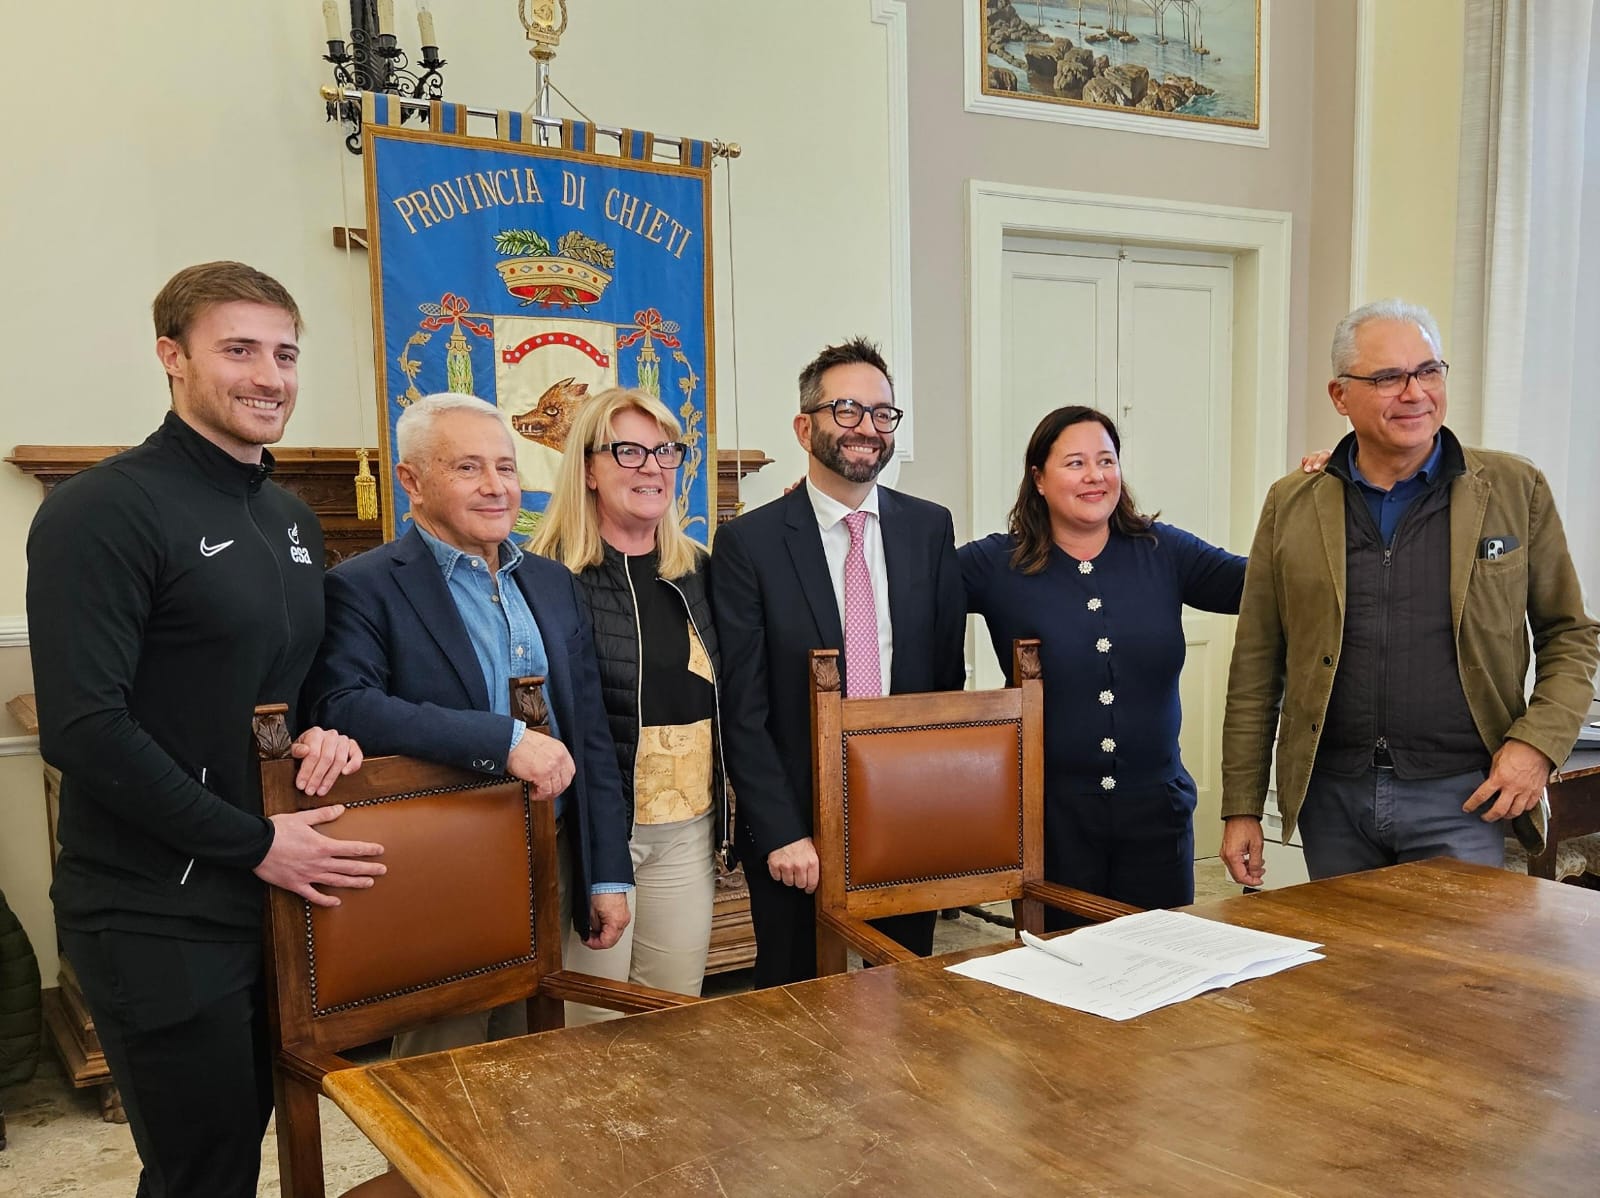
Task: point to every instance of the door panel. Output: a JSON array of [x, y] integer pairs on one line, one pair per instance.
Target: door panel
[[1061, 348], [1060, 320], [1174, 393], [1150, 342]]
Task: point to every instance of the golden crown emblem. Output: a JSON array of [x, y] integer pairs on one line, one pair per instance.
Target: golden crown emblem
[[561, 282], [573, 271]]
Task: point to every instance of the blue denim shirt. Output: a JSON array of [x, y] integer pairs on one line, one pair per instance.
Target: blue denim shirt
[[504, 636], [1387, 507]]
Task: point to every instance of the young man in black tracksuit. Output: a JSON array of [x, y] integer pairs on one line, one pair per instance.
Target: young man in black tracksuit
[[171, 589]]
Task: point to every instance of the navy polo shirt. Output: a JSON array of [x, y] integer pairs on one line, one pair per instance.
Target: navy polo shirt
[[1387, 507]]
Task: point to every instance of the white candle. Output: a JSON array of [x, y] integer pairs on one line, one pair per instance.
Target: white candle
[[385, 16], [330, 18], [425, 24]]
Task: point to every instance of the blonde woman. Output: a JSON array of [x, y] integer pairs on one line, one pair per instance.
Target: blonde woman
[[613, 521]]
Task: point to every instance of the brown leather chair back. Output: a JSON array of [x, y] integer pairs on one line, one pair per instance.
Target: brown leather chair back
[[451, 926], [923, 798], [929, 801], [466, 918]]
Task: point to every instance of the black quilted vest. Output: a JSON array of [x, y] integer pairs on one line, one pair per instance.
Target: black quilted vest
[[1398, 684], [616, 645]]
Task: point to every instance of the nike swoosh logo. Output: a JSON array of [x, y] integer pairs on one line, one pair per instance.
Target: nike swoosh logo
[[212, 550]]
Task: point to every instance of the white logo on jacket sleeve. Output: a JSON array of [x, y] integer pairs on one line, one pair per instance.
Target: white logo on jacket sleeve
[[298, 552], [212, 550]]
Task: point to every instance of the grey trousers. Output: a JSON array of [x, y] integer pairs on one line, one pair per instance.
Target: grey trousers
[[1377, 819]]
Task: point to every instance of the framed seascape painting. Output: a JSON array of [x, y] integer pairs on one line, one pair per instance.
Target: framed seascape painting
[[1176, 68]]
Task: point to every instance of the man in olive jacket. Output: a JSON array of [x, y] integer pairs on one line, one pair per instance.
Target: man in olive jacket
[[1383, 632]]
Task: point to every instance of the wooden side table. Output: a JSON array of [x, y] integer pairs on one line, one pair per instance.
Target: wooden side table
[[66, 1015]]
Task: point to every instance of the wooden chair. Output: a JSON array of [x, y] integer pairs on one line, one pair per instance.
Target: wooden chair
[[466, 918], [929, 801]]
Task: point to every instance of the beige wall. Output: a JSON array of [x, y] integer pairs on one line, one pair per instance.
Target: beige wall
[[24, 858], [206, 140], [1305, 171], [1411, 154], [106, 198]]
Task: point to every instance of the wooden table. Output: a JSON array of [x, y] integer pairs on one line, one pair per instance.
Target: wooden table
[[1449, 1044]]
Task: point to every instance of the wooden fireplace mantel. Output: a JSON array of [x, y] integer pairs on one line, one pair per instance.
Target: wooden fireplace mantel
[[324, 477]]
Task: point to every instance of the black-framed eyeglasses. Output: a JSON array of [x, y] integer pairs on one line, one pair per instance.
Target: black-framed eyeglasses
[[630, 455], [1390, 383], [847, 413]]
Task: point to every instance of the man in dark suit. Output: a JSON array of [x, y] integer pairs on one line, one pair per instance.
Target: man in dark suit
[[424, 634], [839, 563]]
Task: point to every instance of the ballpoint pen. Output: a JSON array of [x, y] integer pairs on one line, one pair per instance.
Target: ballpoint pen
[[1046, 946]]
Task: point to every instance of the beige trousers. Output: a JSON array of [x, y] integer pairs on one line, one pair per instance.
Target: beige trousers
[[665, 943]]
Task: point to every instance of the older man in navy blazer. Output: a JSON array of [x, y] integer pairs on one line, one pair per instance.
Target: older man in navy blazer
[[424, 635], [840, 563]]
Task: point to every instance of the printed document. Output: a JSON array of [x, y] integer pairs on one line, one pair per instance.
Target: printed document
[[1138, 963]]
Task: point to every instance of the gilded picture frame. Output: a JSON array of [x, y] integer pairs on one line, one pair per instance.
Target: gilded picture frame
[[1174, 68]]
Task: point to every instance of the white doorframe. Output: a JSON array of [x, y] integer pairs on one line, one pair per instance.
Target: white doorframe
[[1258, 239]]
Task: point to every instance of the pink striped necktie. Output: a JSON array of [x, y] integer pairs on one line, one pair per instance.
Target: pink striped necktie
[[863, 673]]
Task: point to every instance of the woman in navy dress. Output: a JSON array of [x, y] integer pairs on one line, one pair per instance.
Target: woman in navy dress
[[1103, 587]]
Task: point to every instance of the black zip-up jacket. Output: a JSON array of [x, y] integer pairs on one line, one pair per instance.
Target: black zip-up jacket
[[171, 589], [616, 645]]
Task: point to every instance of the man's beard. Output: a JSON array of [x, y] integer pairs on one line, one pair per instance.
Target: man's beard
[[830, 452]]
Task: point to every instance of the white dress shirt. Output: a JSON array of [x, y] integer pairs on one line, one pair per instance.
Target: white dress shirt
[[836, 545]]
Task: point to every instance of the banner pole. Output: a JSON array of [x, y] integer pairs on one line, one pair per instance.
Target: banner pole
[[719, 149]]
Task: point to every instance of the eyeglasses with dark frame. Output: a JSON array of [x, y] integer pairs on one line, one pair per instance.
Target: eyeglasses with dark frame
[[1391, 383], [630, 455], [847, 413]]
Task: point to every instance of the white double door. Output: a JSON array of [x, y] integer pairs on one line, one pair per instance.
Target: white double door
[[1146, 337]]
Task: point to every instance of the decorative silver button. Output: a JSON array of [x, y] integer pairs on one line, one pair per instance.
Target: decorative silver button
[[1094, 605], [477, 563], [519, 650], [1107, 745], [1085, 567], [1105, 698], [1108, 783], [1103, 644]]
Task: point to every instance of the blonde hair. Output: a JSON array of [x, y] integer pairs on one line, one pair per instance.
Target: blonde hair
[[569, 530]]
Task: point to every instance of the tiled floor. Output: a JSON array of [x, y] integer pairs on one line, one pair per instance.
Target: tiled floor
[[59, 1146]]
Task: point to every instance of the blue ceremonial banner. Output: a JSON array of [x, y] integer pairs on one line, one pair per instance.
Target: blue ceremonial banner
[[533, 277]]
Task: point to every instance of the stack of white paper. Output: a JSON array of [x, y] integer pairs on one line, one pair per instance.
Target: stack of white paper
[[1139, 962]]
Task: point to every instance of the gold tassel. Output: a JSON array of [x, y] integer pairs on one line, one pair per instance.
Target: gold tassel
[[366, 489]]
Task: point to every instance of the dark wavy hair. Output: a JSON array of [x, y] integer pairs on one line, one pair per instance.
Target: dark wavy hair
[[856, 351], [1029, 522]]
